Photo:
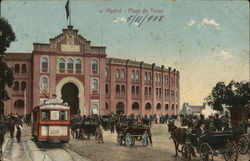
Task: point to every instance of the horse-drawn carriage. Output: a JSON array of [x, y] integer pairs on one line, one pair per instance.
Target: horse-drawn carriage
[[228, 143], [129, 134], [79, 130]]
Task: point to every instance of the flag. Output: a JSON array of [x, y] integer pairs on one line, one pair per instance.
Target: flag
[[67, 9]]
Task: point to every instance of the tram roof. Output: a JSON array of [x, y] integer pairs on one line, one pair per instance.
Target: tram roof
[[53, 105]]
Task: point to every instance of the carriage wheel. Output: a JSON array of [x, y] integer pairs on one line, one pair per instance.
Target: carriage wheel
[[206, 152], [144, 139], [185, 151], [230, 152], [128, 140], [243, 145]]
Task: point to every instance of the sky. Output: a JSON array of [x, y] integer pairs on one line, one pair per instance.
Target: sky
[[207, 41]]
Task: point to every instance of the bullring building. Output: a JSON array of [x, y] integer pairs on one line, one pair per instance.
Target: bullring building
[[91, 83]]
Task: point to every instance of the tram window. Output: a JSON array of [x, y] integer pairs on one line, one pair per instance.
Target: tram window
[[54, 115], [45, 115], [63, 115]]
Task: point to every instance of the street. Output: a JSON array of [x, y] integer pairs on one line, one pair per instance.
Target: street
[[90, 150]]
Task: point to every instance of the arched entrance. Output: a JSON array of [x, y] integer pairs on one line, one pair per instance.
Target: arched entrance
[[70, 93], [120, 108]]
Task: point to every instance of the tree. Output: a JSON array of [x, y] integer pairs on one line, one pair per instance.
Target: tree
[[7, 35], [6, 73], [234, 96]]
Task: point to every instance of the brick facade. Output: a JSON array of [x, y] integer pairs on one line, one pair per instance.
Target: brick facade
[[105, 84]]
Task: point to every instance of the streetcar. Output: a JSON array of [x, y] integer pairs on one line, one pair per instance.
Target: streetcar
[[51, 123]]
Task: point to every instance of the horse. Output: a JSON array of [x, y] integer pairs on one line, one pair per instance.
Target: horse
[[178, 135]]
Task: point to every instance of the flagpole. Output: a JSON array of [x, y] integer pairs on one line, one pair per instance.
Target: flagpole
[[69, 13]]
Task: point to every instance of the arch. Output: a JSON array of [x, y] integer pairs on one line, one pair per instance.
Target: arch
[[135, 106], [123, 89], [16, 86], [158, 106], [117, 89], [23, 85], [166, 106], [17, 68], [70, 64], [78, 65], [19, 104], [106, 88], [69, 93], [80, 94], [120, 108], [61, 64], [122, 74], [106, 106], [148, 106], [94, 66], [44, 82], [44, 62], [24, 69], [117, 73]]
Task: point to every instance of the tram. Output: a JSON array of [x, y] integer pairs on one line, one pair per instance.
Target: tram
[[51, 123]]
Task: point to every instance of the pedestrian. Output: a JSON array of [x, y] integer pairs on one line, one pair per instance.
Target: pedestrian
[[19, 131], [2, 133], [11, 126]]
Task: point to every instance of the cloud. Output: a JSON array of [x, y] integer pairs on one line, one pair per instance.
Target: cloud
[[206, 21], [191, 22], [120, 19], [222, 55]]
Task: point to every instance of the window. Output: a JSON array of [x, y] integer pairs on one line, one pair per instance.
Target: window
[[166, 106], [44, 83], [148, 106], [95, 85], [117, 89], [156, 77], [94, 66], [165, 92], [107, 88], [133, 74], [137, 90], [70, 64], [122, 74], [135, 106], [146, 91], [61, 64], [24, 68], [159, 80], [157, 92], [146, 76], [137, 75], [149, 91], [17, 68], [45, 115], [106, 72], [133, 89], [123, 89], [16, 86], [172, 106], [78, 64], [106, 106], [95, 110], [167, 80], [54, 115], [149, 76], [63, 115], [19, 104], [44, 63], [23, 85], [158, 107], [117, 73]]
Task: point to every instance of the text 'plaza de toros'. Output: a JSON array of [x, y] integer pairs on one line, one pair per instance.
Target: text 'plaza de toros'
[[91, 83]]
